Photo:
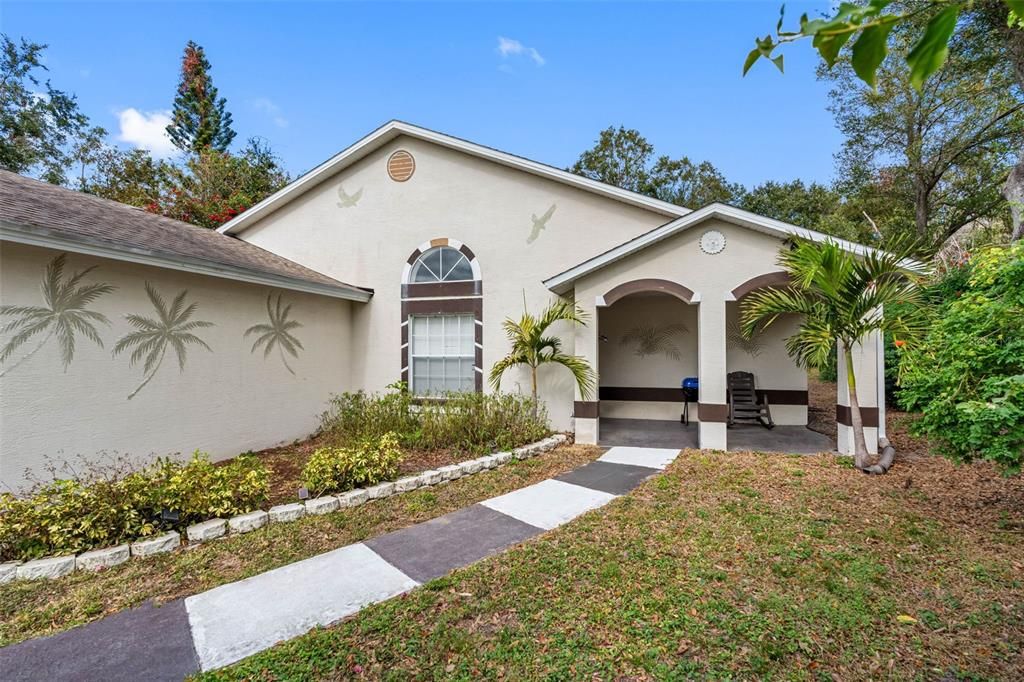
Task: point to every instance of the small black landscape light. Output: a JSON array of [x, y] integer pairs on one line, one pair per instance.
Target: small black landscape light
[[303, 493], [172, 515]]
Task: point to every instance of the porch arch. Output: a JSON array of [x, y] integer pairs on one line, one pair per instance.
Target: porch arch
[[637, 286], [771, 279]]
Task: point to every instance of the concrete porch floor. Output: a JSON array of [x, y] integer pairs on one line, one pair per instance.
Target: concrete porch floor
[[653, 433]]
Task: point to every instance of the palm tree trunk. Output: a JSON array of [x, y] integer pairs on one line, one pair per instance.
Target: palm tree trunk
[[860, 448], [150, 377], [533, 388], [30, 353]]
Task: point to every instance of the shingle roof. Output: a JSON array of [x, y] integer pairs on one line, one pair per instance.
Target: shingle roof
[[52, 211]]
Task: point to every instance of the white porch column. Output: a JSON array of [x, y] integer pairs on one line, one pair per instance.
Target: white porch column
[[712, 409], [586, 412], [869, 370]]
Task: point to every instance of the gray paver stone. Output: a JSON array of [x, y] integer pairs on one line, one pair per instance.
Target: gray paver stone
[[161, 543], [47, 569], [450, 472], [207, 530], [284, 513], [404, 485], [8, 571], [246, 523], [322, 505], [102, 558], [381, 490], [432, 477], [353, 498]]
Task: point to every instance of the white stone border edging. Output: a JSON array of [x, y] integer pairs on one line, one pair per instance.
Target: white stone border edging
[[96, 559]]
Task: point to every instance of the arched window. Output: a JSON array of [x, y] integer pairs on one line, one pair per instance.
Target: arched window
[[442, 264], [442, 319]]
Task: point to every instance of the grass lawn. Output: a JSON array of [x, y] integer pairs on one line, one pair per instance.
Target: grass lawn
[[730, 565], [35, 608]]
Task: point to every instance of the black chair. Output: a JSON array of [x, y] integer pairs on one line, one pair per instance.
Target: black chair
[[743, 403]]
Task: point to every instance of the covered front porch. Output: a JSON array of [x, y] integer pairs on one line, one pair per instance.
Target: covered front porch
[[666, 307]]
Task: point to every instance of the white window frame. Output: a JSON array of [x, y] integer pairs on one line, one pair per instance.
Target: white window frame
[[443, 276], [467, 319]]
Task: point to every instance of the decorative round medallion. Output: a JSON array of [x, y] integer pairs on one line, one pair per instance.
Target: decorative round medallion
[[712, 242], [401, 166]]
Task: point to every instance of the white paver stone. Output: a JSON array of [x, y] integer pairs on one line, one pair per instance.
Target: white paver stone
[[653, 458], [353, 498], [237, 620], [503, 458], [450, 472], [404, 485], [246, 523], [162, 543], [548, 504], [47, 569], [521, 453], [432, 477], [381, 490], [322, 505], [207, 530], [471, 467], [102, 558], [8, 571], [284, 513]]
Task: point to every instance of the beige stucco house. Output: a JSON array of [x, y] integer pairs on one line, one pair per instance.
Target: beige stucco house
[[400, 257]]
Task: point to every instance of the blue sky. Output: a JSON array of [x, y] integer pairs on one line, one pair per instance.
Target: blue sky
[[313, 78]]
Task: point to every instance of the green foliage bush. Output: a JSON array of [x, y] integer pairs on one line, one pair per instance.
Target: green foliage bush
[[333, 469], [469, 422], [967, 378], [105, 508]]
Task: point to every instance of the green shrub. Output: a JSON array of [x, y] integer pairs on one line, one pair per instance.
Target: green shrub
[[104, 508], [332, 469], [967, 378], [469, 422]]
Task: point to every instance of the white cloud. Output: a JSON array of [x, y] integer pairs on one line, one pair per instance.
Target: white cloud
[[147, 131], [269, 107], [508, 47]]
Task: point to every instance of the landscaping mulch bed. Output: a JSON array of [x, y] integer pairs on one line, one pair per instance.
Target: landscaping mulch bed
[[729, 566], [35, 608], [286, 462]]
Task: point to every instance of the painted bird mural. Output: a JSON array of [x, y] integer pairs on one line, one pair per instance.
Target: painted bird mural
[[540, 223], [348, 200]]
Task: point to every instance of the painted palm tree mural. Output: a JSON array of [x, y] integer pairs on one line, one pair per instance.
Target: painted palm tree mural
[[654, 340], [64, 315], [749, 344], [171, 328], [277, 332]]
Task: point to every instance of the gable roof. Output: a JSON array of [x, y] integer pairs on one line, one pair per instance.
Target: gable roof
[[563, 282], [393, 129], [40, 214]]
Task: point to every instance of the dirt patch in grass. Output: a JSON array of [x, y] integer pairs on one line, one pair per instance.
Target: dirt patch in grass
[[35, 608], [287, 461], [730, 565]]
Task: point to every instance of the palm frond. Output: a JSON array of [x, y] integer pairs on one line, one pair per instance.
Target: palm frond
[[276, 334]]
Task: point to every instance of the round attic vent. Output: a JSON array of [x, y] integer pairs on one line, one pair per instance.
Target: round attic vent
[[401, 166]]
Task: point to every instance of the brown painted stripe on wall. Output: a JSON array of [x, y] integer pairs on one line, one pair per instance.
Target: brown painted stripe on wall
[[478, 334], [675, 395], [868, 415], [430, 306], [771, 279], [586, 409], [644, 285], [712, 412]]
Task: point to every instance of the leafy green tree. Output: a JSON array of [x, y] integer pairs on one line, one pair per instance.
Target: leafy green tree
[[813, 206], [839, 296], [944, 149], [37, 122], [624, 158], [199, 119], [533, 346], [868, 25], [967, 377], [213, 186], [131, 177]]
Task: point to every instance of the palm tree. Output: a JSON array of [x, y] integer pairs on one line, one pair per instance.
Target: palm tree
[[171, 327], [841, 297], [63, 315], [652, 340], [532, 348], [277, 332]]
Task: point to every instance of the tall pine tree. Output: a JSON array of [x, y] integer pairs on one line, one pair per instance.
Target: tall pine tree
[[200, 121]]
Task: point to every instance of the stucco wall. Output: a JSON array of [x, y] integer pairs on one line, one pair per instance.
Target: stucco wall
[[486, 206], [225, 400]]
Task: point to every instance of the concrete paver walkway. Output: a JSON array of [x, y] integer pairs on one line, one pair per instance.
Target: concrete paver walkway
[[224, 625]]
